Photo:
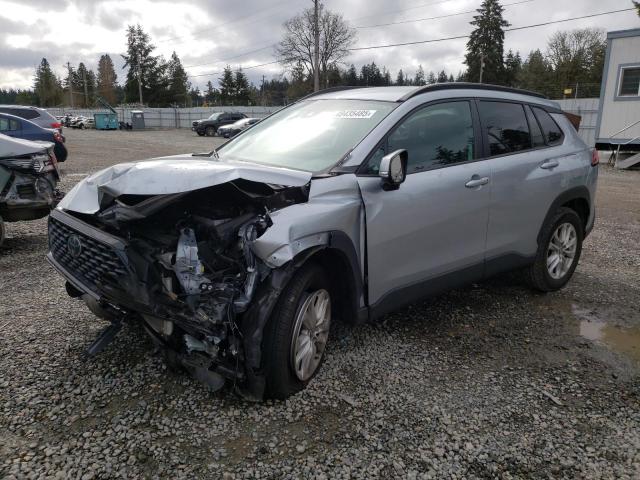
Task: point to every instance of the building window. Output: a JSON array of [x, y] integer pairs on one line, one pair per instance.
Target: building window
[[630, 81]]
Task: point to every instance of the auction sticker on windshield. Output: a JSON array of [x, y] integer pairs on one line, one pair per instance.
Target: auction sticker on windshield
[[355, 113]]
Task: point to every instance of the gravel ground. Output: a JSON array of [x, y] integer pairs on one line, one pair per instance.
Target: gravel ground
[[489, 381]]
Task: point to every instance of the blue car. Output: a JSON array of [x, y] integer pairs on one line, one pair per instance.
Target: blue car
[[21, 128]]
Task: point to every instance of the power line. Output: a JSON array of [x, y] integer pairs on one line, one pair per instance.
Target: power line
[[404, 10], [236, 20], [436, 18], [231, 58], [457, 37], [236, 70]]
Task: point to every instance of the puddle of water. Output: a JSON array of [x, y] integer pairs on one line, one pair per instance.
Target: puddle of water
[[619, 339]]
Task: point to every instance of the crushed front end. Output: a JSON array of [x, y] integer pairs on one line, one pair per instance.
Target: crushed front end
[[28, 186], [179, 262]]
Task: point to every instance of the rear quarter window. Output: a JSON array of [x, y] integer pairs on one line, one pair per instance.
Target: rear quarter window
[[28, 113], [550, 129]]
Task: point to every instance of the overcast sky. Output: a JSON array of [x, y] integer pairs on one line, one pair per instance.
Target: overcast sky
[[212, 31]]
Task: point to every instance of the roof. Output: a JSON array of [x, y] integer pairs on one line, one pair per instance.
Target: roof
[[400, 94], [633, 32]]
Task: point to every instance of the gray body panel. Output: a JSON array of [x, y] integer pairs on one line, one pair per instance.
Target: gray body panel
[[522, 192]]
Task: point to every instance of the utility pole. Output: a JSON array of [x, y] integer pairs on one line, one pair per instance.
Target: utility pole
[[481, 66], [316, 53], [139, 73], [84, 80], [70, 83], [262, 91]]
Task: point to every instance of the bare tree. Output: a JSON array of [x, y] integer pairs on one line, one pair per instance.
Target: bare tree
[[297, 46], [577, 57]]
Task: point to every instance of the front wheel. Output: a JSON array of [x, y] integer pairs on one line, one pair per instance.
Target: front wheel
[[297, 333], [210, 131], [558, 252]]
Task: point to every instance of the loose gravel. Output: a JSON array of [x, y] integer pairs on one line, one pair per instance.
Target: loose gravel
[[488, 381]]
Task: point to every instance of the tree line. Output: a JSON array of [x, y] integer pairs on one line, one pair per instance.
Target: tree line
[[571, 64]]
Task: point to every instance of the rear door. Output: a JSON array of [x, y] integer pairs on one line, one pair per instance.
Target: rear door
[[435, 224], [10, 126], [525, 179]]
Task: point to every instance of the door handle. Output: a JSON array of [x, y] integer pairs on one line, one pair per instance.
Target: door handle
[[549, 164], [476, 182]]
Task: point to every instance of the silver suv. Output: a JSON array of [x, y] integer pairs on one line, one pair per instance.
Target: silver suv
[[345, 205]]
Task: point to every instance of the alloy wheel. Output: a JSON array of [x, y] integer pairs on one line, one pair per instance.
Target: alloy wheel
[[310, 334], [561, 250]]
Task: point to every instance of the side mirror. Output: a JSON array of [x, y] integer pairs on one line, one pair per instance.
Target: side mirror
[[393, 169]]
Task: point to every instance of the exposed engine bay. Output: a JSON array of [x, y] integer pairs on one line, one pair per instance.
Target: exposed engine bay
[[180, 262]]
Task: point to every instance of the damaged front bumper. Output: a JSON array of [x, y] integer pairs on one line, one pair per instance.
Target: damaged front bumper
[[194, 283]]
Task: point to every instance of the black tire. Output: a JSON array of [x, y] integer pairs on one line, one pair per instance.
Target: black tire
[[210, 131], [281, 379], [200, 134], [3, 232], [537, 274]]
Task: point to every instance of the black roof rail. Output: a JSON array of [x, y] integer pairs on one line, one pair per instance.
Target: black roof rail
[[469, 85], [330, 90]]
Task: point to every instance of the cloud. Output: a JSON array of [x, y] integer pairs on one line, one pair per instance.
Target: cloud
[[217, 33]]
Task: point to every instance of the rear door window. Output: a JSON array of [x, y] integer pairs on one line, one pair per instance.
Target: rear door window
[[505, 127], [550, 129]]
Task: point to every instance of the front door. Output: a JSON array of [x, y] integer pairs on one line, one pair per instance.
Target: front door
[[435, 225]]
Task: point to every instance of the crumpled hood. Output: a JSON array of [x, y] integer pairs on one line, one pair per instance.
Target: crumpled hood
[[167, 175]]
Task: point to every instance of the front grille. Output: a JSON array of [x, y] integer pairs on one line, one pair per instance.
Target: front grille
[[95, 264]]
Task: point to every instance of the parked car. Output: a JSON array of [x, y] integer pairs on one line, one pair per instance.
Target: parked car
[[345, 205], [231, 130], [28, 180], [82, 122], [37, 115], [209, 126], [17, 127]]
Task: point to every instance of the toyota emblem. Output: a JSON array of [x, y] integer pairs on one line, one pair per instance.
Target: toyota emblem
[[74, 245]]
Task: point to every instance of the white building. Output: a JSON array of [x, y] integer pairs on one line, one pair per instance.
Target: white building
[[619, 110]]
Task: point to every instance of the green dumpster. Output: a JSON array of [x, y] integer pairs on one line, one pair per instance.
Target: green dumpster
[[106, 121]]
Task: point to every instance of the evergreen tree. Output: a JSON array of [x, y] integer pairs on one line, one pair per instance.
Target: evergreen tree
[[107, 80], [351, 76], [442, 77], [419, 78], [242, 90], [46, 85], [536, 74], [486, 42], [431, 78], [145, 69], [178, 81], [195, 97], [300, 85], [637, 5], [386, 77], [400, 80], [211, 94], [512, 67], [462, 77], [227, 86], [451, 79]]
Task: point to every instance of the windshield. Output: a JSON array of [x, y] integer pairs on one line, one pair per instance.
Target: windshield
[[240, 123], [214, 116], [311, 135]]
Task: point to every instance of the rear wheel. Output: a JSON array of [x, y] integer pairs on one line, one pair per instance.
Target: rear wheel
[[210, 131], [558, 252], [297, 333]]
